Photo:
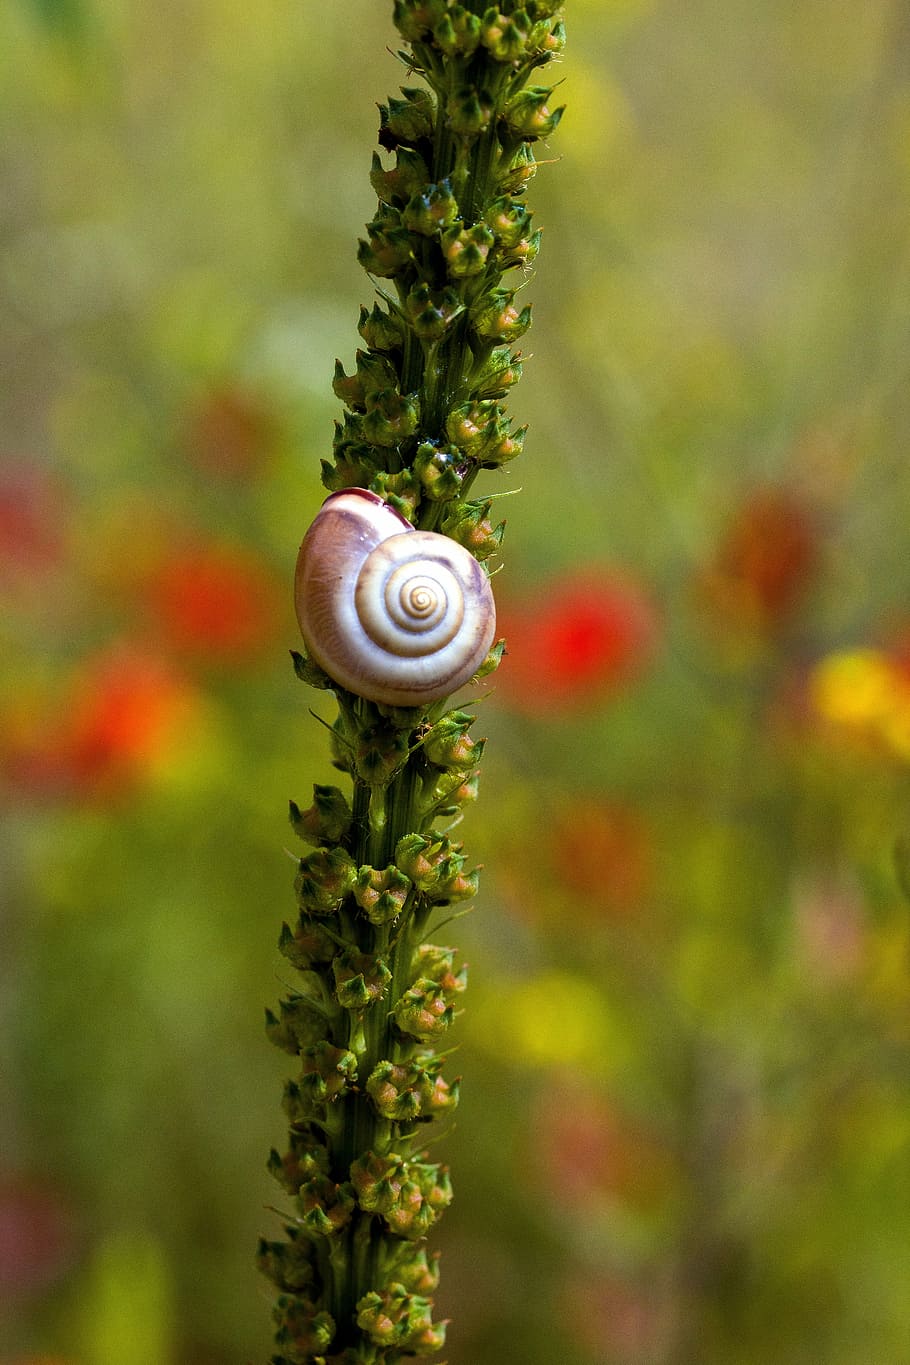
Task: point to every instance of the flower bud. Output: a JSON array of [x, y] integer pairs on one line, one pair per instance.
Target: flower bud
[[289, 1265], [408, 120], [326, 1207], [468, 112], [304, 1160], [380, 330], [298, 1024], [309, 672], [528, 114], [360, 979], [415, 18], [381, 895], [324, 879], [409, 1265], [448, 745], [505, 38], [506, 447], [432, 312], [401, 1320], [471, 426], [409, 1195], [303, 1333], [386, 251], [466, 249], [412, 1090], [327, 821], [431, 208], [327, 1072], [440, 471], [391, 417], [500, 370], [458, 32], [380, 753], [402, 490], [408, 176], [495, 317], [522, 168], [508, 219], [469, 523]]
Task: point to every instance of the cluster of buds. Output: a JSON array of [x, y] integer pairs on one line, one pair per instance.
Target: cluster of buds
[[424, 415]]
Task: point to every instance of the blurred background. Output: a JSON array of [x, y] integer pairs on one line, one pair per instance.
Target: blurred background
[[685, 1131]]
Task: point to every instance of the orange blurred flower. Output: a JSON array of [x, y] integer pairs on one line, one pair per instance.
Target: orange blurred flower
[[215, 601], [579, 637], [765, 562]]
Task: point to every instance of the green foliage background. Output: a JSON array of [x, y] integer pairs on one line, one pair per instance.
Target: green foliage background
[[685, 1131]]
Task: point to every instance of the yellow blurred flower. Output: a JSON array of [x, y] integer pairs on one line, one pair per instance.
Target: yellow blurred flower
[[866, 691]]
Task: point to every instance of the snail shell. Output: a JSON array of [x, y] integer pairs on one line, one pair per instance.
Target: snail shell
[[391, 613]]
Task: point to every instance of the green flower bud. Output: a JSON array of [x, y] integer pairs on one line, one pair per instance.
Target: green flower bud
[[381, 895], [506, 447], [432, 312], [492, 661], [408, 120], [522, 168], [471, 426], [415, 18], [448, 745], [289, 1265], [360, 979], [327, 1072], [380, 330], [548, 36], [326, 1207], [309, 672], [508, 219], [466, 250], [505, 38], [348, 387], [324, 879], [469, 523], [304, 1160], [427, 1008], [298, 1024], [380, 753], [468, 112], [523, 252], [458, 32], [528, 115], [398, 1319], [495, 317], [302, 1331], [401, 490], [409, 1195], [497, 374], [387, 250], [440, 471], [410, 1266], [410, 174], [430, 209], [412, 1090], [327, 821], [391, 417]]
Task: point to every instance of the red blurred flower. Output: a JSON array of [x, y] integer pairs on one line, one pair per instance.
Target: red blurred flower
[[765, 562], [35, 1237], [121, 711], [31, 518], [216, 602], [230, 431], [578, 638]]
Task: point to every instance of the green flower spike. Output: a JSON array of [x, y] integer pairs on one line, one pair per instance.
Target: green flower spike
[[424, 414]]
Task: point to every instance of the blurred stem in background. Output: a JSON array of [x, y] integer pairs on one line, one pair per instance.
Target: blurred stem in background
[[424, 417]]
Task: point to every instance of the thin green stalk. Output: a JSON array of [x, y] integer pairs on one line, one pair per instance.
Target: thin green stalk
[[424, 418]]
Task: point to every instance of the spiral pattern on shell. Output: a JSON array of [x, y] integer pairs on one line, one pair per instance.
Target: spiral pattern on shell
[[391, 613]]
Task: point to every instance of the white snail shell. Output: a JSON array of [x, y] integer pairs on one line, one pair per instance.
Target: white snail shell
[[391, 613]]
